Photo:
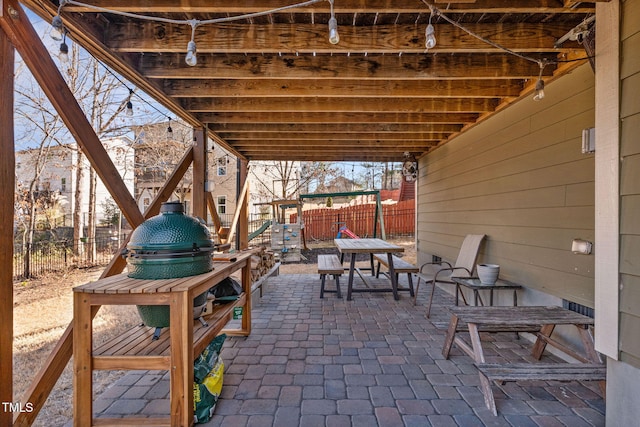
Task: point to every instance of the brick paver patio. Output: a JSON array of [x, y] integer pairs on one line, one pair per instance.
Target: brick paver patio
[[369, 362]]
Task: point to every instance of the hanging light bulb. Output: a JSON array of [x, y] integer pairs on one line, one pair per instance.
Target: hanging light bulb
[[334, 37], [539, 90], [539, 94], [191, 59], [129, 112], [57, 28], [430, 34], [169, 130], [64, 50], [129, 105]]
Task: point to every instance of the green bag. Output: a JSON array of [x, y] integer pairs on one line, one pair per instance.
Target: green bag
[[205, 395], [207, 359]]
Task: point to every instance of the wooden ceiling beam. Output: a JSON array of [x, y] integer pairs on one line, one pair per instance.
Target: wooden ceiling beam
[[278, 138], [354, 67], [297, 117], [331, 128], [335, 105], [136, 36], [221, 88], [334, 156], [343, 6]]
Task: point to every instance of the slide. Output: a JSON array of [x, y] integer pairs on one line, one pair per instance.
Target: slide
[[260, 230]]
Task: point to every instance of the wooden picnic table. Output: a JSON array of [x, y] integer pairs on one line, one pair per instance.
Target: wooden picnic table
[[369, 246], [540, 320]]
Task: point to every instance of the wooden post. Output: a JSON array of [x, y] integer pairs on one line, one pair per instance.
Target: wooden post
[[243, 225], [7, 178], [198, 199]]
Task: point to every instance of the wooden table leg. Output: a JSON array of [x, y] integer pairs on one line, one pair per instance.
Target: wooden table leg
[[476, 344], [181, 376], [592, 354], [451, 334], [82, 368], [246, 309], [352, 268], [478, 355], [541, 344], [393, 276]]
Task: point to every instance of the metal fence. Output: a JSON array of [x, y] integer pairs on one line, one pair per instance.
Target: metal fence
[[40, 258]]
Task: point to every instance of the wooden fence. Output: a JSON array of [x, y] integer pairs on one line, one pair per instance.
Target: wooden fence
[[323, 224]]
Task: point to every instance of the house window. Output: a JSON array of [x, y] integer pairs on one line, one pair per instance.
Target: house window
[[222, 166], [63, 184], [222, 204]]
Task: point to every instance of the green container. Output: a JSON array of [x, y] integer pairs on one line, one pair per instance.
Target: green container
[[169, 245]]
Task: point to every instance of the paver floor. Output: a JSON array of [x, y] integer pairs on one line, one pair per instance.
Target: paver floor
[[368, 362]]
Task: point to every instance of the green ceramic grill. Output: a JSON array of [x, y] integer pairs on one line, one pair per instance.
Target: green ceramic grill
[[169, 245]]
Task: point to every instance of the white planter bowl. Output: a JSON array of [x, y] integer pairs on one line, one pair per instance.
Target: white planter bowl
[[488, 273]]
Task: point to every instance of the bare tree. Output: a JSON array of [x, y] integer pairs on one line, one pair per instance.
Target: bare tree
[[100, 95], [157, 153]]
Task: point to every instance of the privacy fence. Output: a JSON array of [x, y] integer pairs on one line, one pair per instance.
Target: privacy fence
[[324, 224]]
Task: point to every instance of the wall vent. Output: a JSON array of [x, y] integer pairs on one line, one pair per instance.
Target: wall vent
[[578, 308]]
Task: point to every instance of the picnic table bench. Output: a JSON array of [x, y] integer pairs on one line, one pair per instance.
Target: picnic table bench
[[330, 265], [540, 320], [399, 266]]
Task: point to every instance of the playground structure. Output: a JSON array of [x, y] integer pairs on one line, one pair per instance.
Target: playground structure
[[288, 236], [287, 239]]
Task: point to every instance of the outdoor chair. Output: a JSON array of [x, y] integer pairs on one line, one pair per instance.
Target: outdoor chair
[[462, 268]]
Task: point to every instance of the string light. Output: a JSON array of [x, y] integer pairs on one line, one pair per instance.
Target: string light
[[191, 59], [539, 94], [64, 49], [334, 37], [430, 34], [169, 130], [57, 30], [129, 112]]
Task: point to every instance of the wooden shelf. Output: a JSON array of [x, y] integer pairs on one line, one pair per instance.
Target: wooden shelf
[[175, 349], [136, 349]]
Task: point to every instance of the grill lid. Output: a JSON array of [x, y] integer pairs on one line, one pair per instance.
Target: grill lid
[[170, 234]]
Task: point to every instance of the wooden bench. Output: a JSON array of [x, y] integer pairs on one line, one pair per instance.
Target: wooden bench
[[537, 371], [330, 264], [399, 266]]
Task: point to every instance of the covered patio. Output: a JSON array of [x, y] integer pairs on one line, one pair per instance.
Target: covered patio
[[370, 361], [493, 111]]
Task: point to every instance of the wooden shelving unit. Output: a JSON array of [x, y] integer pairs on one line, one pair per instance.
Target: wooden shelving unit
[[174, 351]]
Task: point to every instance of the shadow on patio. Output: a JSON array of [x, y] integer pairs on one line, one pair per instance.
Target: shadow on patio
[[371, 361]]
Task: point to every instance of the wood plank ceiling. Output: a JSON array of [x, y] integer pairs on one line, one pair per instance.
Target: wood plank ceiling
[[273, 87]]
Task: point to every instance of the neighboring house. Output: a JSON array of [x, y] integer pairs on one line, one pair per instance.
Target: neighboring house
[[158, 152], [60, 173]]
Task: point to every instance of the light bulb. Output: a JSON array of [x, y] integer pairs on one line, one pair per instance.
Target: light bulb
[[129, 112], [191, 59], [64, 52], [169, 131], [57, 28], [539, 90], [430, 35], [334, 37]]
